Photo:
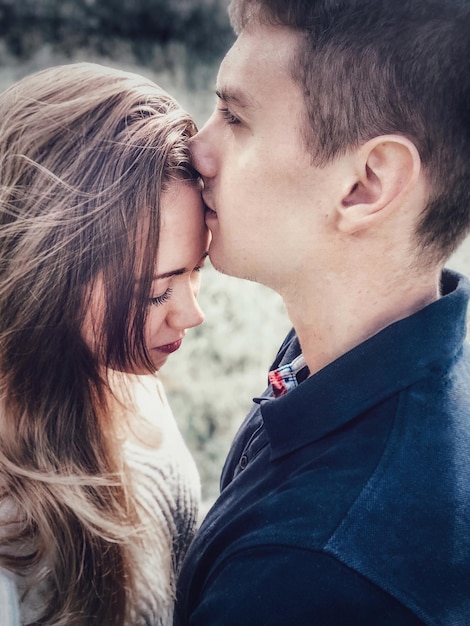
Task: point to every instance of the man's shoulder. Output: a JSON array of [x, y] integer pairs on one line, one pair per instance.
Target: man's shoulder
[[407, 531]]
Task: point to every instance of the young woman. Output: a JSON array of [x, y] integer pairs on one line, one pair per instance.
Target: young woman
[[102, 236]]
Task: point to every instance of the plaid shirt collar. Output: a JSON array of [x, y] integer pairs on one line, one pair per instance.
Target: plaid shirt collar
[[288, 376]]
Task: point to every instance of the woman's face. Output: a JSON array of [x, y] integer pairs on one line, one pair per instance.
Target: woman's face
[[182, 250], [172, 306]]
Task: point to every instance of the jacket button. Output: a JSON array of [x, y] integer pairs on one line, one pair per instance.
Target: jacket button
[[243, 462]]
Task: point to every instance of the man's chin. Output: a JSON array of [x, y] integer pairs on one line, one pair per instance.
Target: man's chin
[[218, 261], [224, 265]]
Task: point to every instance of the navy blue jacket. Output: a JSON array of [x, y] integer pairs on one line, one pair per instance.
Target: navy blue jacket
[[347, 501]]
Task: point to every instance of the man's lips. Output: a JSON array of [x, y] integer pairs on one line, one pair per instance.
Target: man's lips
[[210, 213], [170, 347]]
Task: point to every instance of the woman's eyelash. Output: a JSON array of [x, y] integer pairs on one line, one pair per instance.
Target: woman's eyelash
[[228, 116], [156, 300]]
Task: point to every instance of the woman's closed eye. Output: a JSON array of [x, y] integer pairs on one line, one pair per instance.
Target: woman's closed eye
[[164, 297]]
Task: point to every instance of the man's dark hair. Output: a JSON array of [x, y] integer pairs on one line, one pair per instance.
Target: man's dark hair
[[373, 67]]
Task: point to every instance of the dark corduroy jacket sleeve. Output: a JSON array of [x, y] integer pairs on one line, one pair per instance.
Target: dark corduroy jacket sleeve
[[275, 586]]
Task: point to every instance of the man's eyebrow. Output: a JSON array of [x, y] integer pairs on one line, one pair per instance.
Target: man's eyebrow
[[180, 271], [234, 96]]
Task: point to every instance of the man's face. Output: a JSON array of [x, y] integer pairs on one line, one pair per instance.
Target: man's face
[[268, 203]]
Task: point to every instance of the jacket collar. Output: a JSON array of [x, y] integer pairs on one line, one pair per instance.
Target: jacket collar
[[391, 360]]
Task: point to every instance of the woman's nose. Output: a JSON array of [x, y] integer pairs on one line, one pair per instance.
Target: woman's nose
[[186, 312]]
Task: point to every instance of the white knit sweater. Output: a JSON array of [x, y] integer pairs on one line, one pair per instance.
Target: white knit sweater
[[168, 488]]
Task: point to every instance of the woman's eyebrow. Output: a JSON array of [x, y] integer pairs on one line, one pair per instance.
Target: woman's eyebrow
[[170, 274], [178, 272]]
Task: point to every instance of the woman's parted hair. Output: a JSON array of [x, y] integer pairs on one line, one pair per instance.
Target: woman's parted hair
[[85, 154]]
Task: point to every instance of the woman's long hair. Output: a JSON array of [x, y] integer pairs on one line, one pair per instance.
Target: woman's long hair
[[85, 153]]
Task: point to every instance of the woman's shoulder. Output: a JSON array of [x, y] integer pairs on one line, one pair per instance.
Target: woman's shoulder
[[153, 413], [9, 604], [139, 394], [138, 408], [170, 455]]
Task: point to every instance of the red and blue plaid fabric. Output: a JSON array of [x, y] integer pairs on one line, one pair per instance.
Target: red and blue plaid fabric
[[285, 377]]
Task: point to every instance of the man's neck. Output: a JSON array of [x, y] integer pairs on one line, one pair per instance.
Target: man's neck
[[333, 321]]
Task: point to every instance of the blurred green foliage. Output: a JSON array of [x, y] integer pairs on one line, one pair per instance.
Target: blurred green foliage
[[202, 26]]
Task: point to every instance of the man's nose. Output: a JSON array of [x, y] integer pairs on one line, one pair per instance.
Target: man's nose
[[203, 154]]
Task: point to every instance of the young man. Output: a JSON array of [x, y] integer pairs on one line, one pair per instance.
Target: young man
[[336, 171]]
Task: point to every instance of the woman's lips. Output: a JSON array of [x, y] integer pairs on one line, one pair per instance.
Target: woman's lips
[[170, 347]]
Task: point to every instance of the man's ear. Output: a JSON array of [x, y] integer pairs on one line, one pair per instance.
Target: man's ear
[[386, 169]]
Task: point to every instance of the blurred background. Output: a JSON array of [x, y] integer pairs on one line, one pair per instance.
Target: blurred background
[[178, 44]]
